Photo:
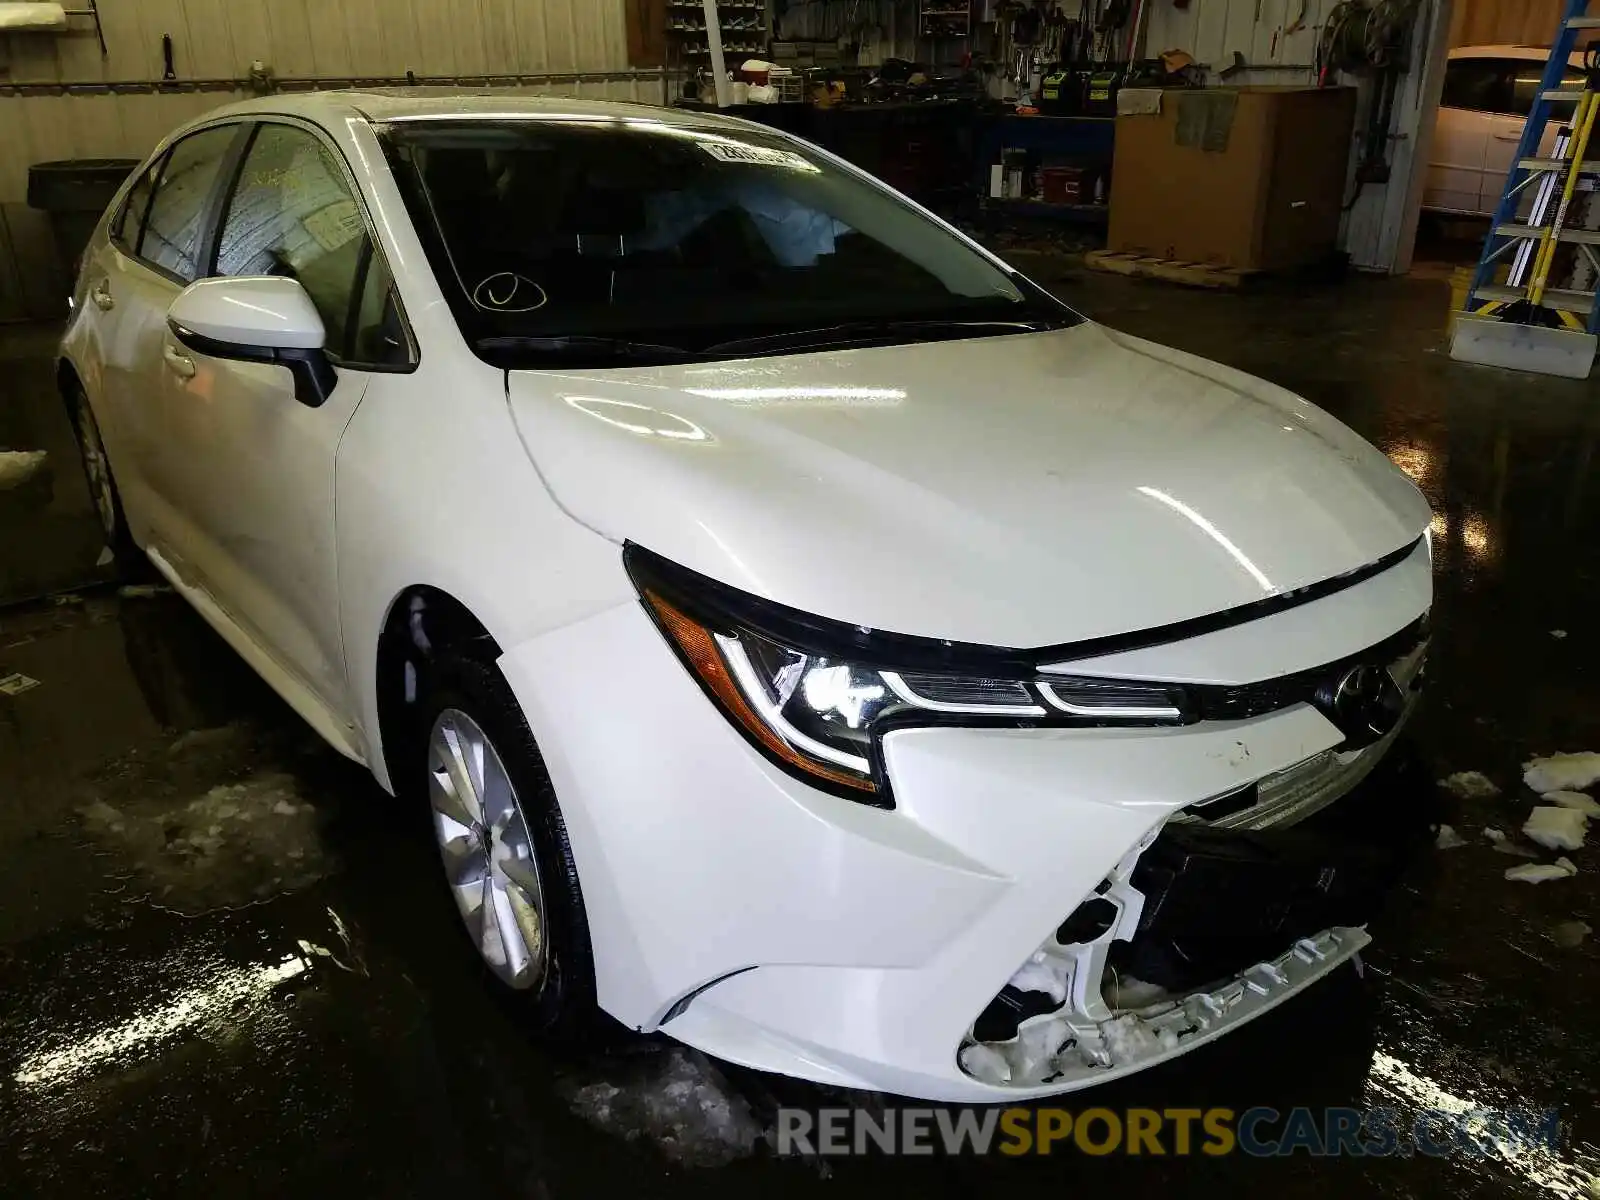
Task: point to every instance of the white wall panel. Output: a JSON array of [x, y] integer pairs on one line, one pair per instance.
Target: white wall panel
[[1212, 30]]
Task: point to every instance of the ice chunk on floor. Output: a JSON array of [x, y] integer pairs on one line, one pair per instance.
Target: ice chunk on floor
[[1562, 868], [1562, 772], [1570, 934], [19, 466], [1505, 845], [1581, 801], [1043, 973], [985, 1064], [1448, 838], [680, 1102], [1556, 828], [1470, 785]]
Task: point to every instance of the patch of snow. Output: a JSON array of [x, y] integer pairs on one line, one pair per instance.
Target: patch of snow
[[1556, 828], [1580, 801], [1558, 634], [1043, 973], [1470, 785], [106, 557], [1562, 868], [232, 844], [1570, 934], [1448, 838], [19, 466], [1562, 772], [681, 1103], [1494, 835]]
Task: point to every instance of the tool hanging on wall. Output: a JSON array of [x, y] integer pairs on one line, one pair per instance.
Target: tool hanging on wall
[[1523, 322], [1369, 37]]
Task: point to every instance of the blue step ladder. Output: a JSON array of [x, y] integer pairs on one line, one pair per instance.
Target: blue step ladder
[[1521, 322]]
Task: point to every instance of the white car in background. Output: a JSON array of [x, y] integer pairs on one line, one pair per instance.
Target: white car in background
[[815, 642], [1488, 93]]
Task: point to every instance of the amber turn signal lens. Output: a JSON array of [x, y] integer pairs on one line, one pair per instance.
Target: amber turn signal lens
[[699, 650]]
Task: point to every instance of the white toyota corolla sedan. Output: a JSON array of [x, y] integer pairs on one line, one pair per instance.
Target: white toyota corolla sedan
[[815, 642]]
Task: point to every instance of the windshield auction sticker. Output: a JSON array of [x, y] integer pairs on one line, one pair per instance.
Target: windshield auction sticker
[[757, 156]]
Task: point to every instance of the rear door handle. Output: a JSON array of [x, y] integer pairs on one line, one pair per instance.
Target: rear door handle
[[100, 293], [182, 365]]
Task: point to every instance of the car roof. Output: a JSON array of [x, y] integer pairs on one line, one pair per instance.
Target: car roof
[[393, 105], [1520, 53]]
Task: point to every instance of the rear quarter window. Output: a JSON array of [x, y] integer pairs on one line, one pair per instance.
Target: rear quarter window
[[129, 223]]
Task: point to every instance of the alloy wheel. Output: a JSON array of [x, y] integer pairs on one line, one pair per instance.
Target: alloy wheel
[[488, 856]]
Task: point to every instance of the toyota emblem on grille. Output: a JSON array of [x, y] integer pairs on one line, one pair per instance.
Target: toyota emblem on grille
[[1365, 703]]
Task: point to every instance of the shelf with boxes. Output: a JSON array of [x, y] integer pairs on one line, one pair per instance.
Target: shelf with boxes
[[945, 19], [742, 23]]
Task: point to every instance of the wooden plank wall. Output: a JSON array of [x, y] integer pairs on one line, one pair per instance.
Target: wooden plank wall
[[1494, 22]]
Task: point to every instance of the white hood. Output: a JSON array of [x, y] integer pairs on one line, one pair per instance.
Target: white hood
[[1015, 491]]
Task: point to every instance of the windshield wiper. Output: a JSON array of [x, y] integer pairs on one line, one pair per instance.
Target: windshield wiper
[[588, 346], [865, 332]]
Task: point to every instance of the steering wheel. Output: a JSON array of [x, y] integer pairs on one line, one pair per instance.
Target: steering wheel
[[508, 292]]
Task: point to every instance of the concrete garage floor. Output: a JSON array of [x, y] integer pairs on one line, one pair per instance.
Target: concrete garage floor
[[224, 969]]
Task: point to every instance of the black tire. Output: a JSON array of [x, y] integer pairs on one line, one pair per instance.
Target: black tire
[[561, 1006], [107, 506]]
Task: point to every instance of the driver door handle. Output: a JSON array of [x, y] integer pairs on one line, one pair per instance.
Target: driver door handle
[[100, 293], [181, 364]]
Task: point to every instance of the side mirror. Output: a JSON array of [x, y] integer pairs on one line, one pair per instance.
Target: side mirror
[[257, 318]]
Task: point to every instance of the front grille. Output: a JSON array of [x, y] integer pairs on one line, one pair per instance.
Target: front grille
[[1298, 791], [1242, 701]]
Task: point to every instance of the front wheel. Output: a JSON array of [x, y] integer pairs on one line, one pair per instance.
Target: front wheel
[[508, 865]]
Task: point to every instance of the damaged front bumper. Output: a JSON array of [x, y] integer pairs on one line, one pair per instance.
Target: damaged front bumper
[[1227, 910], [740, 911], [1197, 931]]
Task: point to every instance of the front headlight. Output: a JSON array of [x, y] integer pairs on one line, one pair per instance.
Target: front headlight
[[816, 696]]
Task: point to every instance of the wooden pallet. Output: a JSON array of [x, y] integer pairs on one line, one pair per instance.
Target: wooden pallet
[[1187, 273]]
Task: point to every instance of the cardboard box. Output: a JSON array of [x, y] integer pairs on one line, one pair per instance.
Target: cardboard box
[[1251, 178]]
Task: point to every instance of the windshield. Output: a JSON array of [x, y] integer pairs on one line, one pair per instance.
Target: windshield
[[627, 239]]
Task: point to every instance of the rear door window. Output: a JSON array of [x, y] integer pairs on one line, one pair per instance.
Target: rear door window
[[174, 230]]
